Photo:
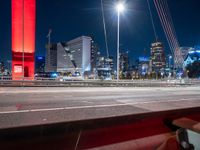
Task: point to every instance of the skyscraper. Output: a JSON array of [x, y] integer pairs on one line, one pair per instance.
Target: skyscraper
[[94, 55], [157, 57]]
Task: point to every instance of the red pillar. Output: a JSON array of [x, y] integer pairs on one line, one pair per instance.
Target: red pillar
[[23, 38]]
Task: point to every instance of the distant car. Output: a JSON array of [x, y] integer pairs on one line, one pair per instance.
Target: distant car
[[107, 78], [65, 78], [68, 78], [76, 74]]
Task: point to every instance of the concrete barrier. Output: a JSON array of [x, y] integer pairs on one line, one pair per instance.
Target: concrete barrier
[[97, 83]]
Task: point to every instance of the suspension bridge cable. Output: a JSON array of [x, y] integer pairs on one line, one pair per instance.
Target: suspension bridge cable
[[104, 26], [152, 21], [169, 23], [162, 8], [171, 20], [164, 26], [177, 53]]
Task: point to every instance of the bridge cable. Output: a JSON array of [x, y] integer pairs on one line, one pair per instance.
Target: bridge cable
[[152, 21], [104, 26], [163, 23]]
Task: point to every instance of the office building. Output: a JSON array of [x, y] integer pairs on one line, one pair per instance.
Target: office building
[[124, 62], [123, 65], [104, 67], [40, 64], [51, 58], [72, 56], [185, 50], [94, 55], [2, 68], [169, 62], [157, 57], [143, 65], [192, 56]]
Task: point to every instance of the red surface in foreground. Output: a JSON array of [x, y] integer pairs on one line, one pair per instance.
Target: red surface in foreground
[[113, 134], [23, 37]]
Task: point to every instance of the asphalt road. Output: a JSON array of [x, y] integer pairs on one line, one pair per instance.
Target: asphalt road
[[41, 105]]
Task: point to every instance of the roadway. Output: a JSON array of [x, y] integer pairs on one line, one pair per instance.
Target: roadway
[[26, 106]]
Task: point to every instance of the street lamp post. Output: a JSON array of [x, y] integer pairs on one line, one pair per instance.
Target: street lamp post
[[120, 8]]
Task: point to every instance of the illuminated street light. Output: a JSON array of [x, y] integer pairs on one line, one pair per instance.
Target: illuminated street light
[[120, 8]]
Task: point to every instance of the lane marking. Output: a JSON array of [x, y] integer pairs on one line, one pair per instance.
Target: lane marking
[[104, 89], [158, 101], [62, 108], [94, 106]]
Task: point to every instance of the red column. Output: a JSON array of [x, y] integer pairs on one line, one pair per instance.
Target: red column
[[23, 38]]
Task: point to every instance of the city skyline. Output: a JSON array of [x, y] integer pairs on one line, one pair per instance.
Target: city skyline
[[84, 18], [99, 74]]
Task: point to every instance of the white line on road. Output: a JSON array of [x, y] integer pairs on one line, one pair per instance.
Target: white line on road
[[94, 106]]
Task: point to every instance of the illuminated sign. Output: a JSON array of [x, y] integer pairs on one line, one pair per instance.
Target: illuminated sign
[[40, 58], [17, 69], [143, 59]]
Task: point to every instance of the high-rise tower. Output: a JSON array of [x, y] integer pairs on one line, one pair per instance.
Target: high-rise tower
[[157, 56], [23, 38]]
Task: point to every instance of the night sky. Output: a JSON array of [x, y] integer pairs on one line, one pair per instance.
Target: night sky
[[69, 19]]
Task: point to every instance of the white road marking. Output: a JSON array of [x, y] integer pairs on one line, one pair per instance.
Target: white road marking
[[94, 106], [4, 90]]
